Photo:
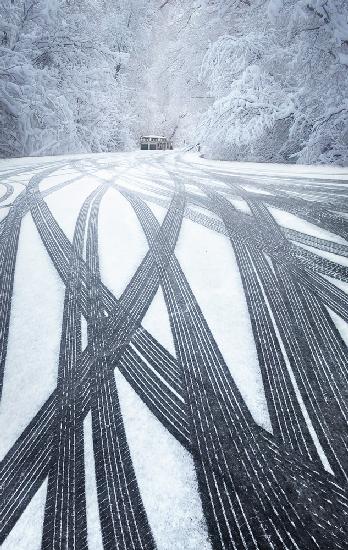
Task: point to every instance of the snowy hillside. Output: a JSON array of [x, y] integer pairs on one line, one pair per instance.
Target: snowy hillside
[[173, 354]]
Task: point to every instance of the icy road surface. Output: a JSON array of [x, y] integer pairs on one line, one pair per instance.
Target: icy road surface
[[173, 354]]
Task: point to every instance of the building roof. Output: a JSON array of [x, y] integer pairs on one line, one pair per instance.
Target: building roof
[[153, 136]]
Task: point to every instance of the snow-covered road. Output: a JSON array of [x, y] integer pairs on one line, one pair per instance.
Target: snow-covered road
[[173, 354]]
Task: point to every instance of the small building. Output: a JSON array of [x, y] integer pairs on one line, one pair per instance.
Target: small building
[[155, 143]]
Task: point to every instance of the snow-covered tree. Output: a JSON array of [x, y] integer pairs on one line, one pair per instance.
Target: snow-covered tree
[[262, 80], [179, 96], [32, 113], [279, 81], [64, 74]]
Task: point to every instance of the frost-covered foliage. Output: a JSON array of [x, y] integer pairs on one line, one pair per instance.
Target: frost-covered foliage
[[279, 83], [31, 111], [63, 74], [177, 97], [262, 80]]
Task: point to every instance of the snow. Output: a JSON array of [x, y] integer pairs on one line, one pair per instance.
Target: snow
[[243, 82], [166, 477], [164, 469], [26, 533], [34, 336], [302, 405], [211, 270], [324, 254], [274, 7], [269, 169], [291, 221], [65, 203], [341, 325], [122, 244], [93, 522], [156, 321]]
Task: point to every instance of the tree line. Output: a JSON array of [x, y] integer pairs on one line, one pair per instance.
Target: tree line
[[259, 80]]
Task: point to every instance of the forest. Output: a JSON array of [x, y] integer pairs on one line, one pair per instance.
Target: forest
[[250, 80]]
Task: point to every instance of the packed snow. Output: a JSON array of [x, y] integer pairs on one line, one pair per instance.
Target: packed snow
[[164, 469]]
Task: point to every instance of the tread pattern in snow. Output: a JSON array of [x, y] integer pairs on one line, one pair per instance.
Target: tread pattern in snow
[[259, 490]]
